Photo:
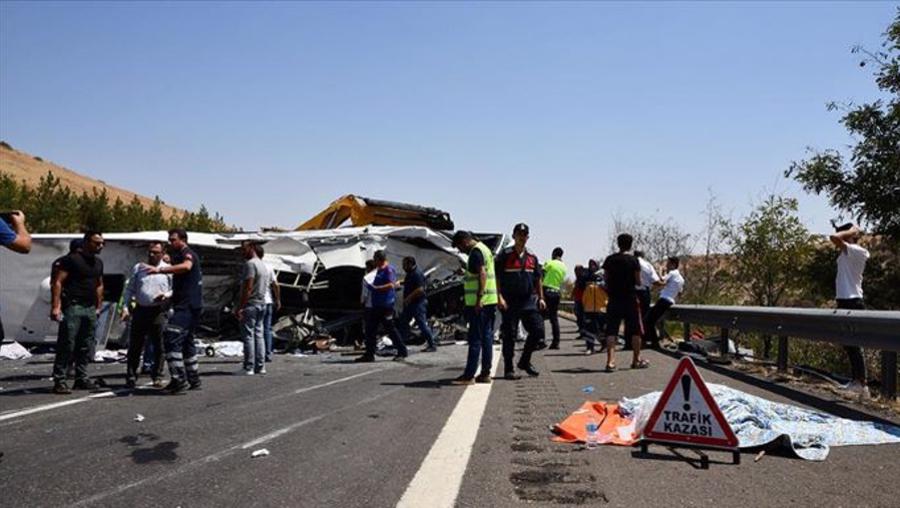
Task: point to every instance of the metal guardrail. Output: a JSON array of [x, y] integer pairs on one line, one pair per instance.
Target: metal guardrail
[[864, 328]]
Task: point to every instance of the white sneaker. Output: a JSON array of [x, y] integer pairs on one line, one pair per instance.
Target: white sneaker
[[859, 389], [262, 371], [245, 372]]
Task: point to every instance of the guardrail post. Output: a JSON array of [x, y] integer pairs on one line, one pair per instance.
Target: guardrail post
[[723, 346], [889, 374], [782, 353], [687, 331]]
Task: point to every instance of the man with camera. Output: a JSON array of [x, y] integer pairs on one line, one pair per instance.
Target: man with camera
[[14, 237]]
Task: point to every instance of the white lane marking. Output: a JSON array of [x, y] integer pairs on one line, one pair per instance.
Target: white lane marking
[[56, 405], [440, 476], [214, 457], [336, 381]]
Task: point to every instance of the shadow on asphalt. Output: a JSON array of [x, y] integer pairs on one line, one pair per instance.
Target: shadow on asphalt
[[24, 377], [579, 370], [431, 383], [41, 390], [679, 456]]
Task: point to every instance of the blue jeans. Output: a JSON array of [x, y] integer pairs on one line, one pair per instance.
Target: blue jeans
[[419, 313], [252, 335], [481, 339], [268, 310]]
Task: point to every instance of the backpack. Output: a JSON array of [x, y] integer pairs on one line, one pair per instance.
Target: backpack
[[594, 298]]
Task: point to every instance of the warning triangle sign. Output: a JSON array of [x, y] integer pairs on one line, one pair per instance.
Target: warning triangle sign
[[687, 413]]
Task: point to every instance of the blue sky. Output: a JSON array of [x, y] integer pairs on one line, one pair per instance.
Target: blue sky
[[560, 114]]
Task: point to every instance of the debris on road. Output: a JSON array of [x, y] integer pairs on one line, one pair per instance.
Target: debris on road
[[108, 356], [224, 349], [14, 351], [588, 389], [138, 417], [262, 452]]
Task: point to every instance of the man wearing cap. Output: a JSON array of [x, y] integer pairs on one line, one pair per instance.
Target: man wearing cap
[[480, 286], [554, 275], [520, 299]]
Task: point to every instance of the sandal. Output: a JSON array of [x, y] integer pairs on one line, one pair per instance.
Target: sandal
[[610, 368], [643, 364]]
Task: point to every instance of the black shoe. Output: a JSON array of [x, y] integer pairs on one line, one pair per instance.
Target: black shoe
[[84, 384], [429, 349], [511, 375], [365, 359], [529, 369], [540, 345], [555, 345], [195, 386], [130, 384], [400, 358], [176, 387], [483, 379], [61, 388], [463, 381]]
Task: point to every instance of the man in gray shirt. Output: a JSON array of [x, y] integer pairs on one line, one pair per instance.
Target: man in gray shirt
[[255, 281]]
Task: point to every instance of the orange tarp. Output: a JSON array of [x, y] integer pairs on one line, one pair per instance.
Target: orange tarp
[[614, 427]]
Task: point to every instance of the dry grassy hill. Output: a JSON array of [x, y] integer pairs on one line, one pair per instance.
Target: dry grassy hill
[[24, 166]]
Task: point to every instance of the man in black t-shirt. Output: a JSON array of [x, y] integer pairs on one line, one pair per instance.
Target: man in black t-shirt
[[622, 273], [187, 302], [77, 296]]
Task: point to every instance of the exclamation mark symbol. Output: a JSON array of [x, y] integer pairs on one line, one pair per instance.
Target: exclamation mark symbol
[[686, 389]]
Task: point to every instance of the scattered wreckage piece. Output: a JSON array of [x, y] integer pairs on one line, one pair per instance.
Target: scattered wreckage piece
[[319, 273]]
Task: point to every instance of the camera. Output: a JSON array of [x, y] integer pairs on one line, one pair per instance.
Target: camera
[[7, 216]]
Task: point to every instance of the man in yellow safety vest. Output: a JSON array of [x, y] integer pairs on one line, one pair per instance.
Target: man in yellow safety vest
[[480, 286]]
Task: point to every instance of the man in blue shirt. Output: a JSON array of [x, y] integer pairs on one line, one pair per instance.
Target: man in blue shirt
[[384, 295], [14, 237], [415, 304]]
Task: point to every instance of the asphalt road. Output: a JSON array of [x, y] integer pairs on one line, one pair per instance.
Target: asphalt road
[[344, 434]]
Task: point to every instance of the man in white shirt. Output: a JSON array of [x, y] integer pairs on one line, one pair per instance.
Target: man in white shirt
[[851, 263], [672, 285], [365, 296], [649, 277], [150, 292]]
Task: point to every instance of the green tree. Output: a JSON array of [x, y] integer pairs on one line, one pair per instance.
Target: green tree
[[50, 206], [53, 208], [94, 210], [865, 183], [153, 219], [768, 247], [134, 217]]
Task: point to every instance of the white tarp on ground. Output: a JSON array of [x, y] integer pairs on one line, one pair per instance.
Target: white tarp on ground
[[14, 351], [757, 421]]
